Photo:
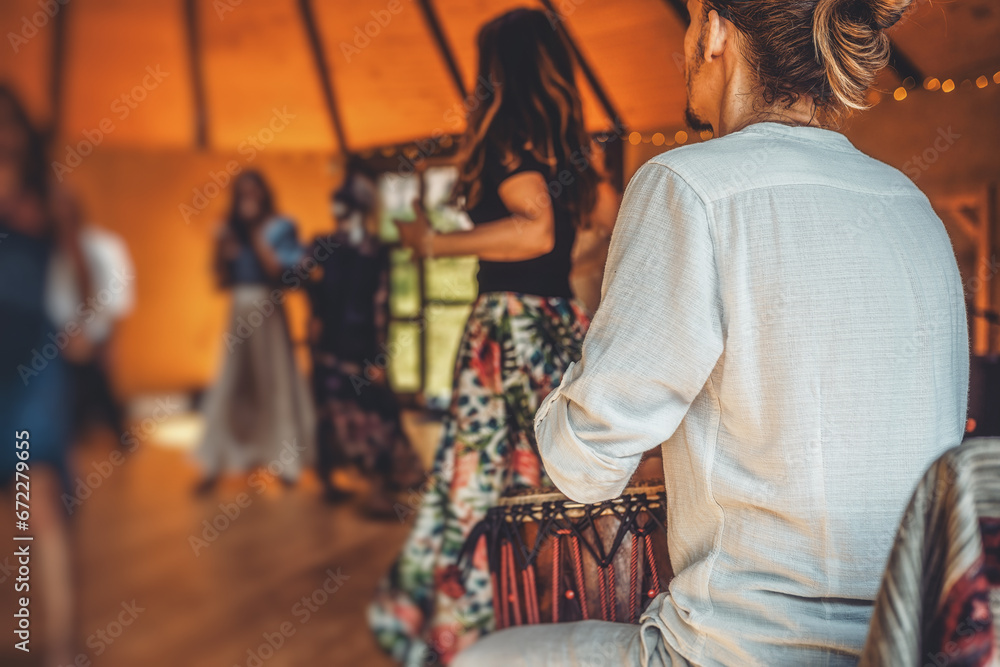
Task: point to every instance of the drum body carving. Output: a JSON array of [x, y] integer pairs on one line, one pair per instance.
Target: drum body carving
[[553, 560]]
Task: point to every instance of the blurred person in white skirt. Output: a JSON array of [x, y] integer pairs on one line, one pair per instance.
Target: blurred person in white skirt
[[260, 412]]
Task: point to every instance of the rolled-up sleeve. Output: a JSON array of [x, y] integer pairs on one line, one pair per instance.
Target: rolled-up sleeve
[[655, 339]]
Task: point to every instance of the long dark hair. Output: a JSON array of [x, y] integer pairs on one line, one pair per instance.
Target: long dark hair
[[531, 104], [239, 227], [34, 175]]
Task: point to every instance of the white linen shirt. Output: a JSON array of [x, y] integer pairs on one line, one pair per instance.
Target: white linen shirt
[[785, 315]]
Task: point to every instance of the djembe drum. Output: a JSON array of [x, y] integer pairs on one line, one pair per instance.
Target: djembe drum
[[553, 560]]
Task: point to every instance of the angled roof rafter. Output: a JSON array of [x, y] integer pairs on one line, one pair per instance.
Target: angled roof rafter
[[444, 47], [602, 95], [193, 35], [324, 73]]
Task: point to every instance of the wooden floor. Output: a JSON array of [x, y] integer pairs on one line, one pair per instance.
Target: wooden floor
[[214, 609]]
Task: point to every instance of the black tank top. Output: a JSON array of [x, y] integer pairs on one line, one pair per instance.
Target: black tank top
[[546, 276], [344, 298]]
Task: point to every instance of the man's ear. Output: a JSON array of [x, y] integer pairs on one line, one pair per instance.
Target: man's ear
[[717, 37]]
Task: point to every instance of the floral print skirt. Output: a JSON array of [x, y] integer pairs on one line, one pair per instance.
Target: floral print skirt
[[513, 353]]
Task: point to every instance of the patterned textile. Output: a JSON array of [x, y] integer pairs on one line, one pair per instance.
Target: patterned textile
[[514, 351], [934, 606], [359, 424]]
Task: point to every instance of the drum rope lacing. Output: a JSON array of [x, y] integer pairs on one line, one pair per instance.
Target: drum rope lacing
[[500, 530]]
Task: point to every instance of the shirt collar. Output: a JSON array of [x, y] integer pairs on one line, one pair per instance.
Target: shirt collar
[[830, 138]]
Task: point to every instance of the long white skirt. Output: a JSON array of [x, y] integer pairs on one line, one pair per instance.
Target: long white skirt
[[260, 411]]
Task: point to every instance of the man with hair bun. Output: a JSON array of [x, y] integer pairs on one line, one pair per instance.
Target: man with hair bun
[[785, 315]]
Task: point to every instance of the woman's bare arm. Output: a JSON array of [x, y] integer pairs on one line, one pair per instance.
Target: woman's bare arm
[[528, 232]]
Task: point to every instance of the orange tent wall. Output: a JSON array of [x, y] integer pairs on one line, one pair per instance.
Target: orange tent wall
[[174, 338]]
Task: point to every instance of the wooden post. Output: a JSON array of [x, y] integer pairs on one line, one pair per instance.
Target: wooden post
[[990, 266]]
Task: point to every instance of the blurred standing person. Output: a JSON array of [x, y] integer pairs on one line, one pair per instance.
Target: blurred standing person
[[259, 412], [359, 417], [35, 385], [112, 276], [524, 330]]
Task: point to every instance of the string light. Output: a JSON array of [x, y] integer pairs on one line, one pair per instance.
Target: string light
[[660, 139], [932, 84]]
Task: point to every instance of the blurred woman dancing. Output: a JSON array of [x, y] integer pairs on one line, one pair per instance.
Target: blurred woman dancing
[[259, 413], [36, 222], [527, 182], [359, 417]]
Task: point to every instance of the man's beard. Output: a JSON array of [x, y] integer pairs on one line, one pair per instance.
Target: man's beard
[[694, 121]]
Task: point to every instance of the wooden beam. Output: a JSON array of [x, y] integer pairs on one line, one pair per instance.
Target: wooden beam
[[595, 84], [905, 68], [57, 76], [444, 47], [967, 227], [193, 32], [987, 269], [975, 214], [324, 73]]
